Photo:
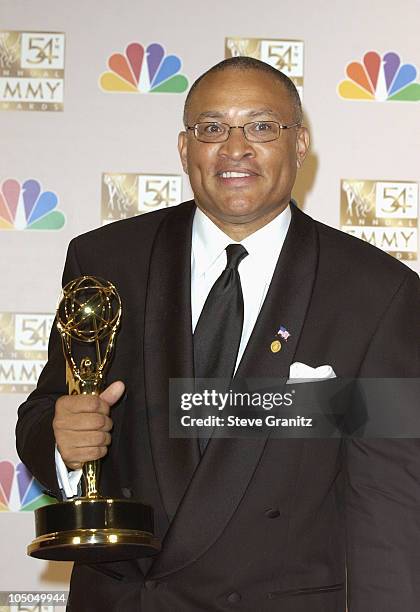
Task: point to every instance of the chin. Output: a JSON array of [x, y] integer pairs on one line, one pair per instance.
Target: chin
[[239, 208], [239, 215]]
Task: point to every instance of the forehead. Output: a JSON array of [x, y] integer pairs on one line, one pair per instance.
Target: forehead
[[242, 92]]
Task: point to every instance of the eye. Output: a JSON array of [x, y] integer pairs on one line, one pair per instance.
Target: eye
[[263, 126], [212, 128]]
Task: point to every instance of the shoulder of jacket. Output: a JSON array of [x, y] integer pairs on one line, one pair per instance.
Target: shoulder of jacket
[[361, 257], [137, 230]]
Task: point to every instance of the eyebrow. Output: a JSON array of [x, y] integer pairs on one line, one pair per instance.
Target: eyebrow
[[263, 111], [252, 114]]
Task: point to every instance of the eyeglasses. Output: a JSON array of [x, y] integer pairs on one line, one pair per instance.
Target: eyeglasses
[[256, 131]]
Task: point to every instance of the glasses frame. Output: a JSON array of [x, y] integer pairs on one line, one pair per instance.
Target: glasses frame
[[281, 127]]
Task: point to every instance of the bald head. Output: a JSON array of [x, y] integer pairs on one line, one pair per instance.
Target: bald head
[[243, 63]]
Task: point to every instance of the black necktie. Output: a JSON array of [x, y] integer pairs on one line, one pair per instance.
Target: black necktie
[[218, 332]]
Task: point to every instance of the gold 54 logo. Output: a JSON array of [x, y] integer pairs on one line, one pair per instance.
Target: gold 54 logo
[[31, 71], [285, 55], [23, 350], [384, 213], [128, 195]]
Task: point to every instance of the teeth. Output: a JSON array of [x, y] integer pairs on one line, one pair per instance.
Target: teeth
[[234, 174]]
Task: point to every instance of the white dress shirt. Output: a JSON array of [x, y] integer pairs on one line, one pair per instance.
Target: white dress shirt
[[208, 260]]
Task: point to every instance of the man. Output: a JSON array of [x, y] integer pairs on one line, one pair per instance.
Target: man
[[258, 524]]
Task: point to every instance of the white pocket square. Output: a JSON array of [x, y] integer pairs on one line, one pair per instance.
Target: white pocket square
[[300, 373]]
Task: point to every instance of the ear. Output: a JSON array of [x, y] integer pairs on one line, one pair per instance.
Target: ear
[[302, 145], [182, 148]]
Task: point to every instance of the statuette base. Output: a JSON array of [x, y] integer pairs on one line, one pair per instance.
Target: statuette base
[[94, 530]]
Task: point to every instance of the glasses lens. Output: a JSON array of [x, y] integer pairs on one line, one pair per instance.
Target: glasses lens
[[262, 131], [211, 132]]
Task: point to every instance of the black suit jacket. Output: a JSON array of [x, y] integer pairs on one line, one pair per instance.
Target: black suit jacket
[[259, 524]]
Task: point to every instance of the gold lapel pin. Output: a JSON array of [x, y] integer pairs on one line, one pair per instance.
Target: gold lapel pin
[[275, 346]]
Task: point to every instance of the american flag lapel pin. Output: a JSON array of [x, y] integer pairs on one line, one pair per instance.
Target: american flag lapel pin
[[283, 333], [276, 345]]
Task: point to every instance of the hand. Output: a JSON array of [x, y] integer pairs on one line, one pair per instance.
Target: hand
[[82, 424]]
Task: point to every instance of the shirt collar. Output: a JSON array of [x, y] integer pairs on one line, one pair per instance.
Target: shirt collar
[[264, 245]]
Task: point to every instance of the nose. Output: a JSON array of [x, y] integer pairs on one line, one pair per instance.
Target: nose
[[237, 146]]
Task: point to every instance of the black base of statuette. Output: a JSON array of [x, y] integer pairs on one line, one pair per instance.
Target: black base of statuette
[[94, 530]]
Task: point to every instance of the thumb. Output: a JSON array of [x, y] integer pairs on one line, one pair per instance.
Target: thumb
[[113, 393]]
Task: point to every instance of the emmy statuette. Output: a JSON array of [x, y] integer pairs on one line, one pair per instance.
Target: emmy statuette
[[91, 528]]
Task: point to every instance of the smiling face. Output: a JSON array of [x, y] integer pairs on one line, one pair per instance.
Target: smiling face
[[242, 185]]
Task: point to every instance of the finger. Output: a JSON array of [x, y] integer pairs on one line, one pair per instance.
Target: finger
[[113, 393], [82, 422], [72, 440], [73, 466], [76, 404], [108, 424], [79, 456]]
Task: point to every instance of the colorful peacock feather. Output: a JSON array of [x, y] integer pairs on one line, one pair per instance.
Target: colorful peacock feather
[[26, 206], [140, 71], [381, 79]]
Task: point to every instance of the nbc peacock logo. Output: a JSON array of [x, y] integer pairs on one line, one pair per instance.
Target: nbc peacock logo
[[140, 70], [25, 206], [19, 491], [380, 78]]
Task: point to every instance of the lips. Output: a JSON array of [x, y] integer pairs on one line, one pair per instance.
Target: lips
[[236, 179], [230, 173]]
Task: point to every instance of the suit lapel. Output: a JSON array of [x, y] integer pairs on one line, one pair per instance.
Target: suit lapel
[[168, 351], [286, 303], [228, 465]]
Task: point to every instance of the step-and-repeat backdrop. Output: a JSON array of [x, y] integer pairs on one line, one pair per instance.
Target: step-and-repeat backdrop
[[91, 101]]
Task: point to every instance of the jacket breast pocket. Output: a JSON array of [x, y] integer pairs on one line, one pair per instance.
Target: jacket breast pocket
[[330, 588]]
